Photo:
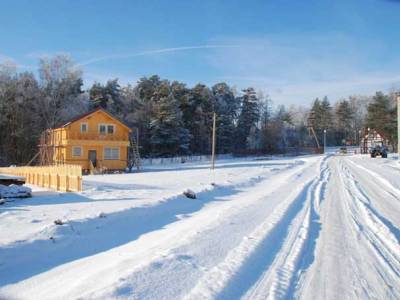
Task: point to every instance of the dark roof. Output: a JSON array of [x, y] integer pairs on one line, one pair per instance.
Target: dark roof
[[77, 118]]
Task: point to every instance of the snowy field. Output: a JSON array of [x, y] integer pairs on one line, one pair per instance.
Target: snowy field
[[316, 227]]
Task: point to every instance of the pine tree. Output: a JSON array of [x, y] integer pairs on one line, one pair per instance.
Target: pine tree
[[226, 106], [248, 118], [97, 96], [168, 136], [321, 118], [114, 97], [201, 101], [381, 116], [326, 114], [108, 97], [344, 120], [144, 94]]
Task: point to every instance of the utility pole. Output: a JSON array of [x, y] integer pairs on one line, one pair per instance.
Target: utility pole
[[398, 124], [137, 138], [213, 142], [324, 141]]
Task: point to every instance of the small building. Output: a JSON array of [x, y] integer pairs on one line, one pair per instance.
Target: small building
[[370, 139], [95, 140]]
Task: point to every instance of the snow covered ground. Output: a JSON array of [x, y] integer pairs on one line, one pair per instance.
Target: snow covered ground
[[316, 227]]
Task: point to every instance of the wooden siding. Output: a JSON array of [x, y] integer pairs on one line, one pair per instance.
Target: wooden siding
[[65, 138]]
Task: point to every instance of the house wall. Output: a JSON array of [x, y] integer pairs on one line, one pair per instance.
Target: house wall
[[93, 121], [83, 160]]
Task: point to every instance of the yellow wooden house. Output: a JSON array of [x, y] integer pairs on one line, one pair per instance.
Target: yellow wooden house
[[95, 140]]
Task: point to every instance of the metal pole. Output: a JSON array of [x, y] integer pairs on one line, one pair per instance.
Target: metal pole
[[213, 143], [324, 141]]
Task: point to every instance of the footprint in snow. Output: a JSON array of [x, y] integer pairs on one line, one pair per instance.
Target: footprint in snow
[[156, 265], [124, 291], [184, 257]]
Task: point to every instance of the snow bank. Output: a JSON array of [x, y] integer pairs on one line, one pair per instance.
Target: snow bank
[[15, 191]]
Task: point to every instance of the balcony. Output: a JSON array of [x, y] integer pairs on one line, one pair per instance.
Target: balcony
[[96, 136]]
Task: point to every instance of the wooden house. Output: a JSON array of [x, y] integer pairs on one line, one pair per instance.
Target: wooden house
[[95, 140], [371, 138]]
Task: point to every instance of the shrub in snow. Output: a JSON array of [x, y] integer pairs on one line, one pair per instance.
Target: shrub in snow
[[102, 215], [58, 222], [15, 191], [190, 194]]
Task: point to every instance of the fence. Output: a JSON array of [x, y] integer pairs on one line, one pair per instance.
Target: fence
[[65, 178], [180, 159]]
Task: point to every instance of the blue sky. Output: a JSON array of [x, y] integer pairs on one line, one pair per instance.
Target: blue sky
[[292, 50]]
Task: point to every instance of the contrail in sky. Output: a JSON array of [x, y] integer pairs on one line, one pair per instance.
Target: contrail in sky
[[150, 52]]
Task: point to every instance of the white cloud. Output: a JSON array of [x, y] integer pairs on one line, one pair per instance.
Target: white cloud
[[298, 68]]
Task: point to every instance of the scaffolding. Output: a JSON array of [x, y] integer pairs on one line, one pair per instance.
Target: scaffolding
[[134, 154], [310, 127], [48, 150]]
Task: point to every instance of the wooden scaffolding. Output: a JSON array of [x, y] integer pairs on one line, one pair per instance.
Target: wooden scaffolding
[[47, 150], [310, 127]]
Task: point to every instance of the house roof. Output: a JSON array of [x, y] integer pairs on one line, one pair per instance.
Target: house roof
[[80, 117], [373, 133]]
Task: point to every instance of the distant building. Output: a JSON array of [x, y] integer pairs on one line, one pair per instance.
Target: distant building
[[371, 138], [95, 140]]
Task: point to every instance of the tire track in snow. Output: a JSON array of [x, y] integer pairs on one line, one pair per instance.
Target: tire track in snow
[[368, 203], [372, 226], [274, 246], [390, 189], [297, 254], [373, 240]]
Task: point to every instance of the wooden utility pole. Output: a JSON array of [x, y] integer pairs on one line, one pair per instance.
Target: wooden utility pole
[[137, 138], [213, 142]]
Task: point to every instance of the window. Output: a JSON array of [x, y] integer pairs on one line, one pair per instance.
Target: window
[[102, 129], [76, 151], [111, 153], [110, 129], [84, 127]]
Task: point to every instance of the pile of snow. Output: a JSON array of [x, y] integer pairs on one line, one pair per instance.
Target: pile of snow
[[14, 191]]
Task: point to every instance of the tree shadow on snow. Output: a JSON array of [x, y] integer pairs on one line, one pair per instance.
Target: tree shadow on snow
[[78, 239], [225, 166], [107, 186]]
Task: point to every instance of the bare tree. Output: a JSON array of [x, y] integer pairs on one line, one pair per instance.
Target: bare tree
[[61, 83]]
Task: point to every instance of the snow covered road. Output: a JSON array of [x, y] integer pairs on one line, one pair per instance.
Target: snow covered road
[[297, 228]]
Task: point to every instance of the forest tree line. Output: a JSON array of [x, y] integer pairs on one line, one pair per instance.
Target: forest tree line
[[174, 119]]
